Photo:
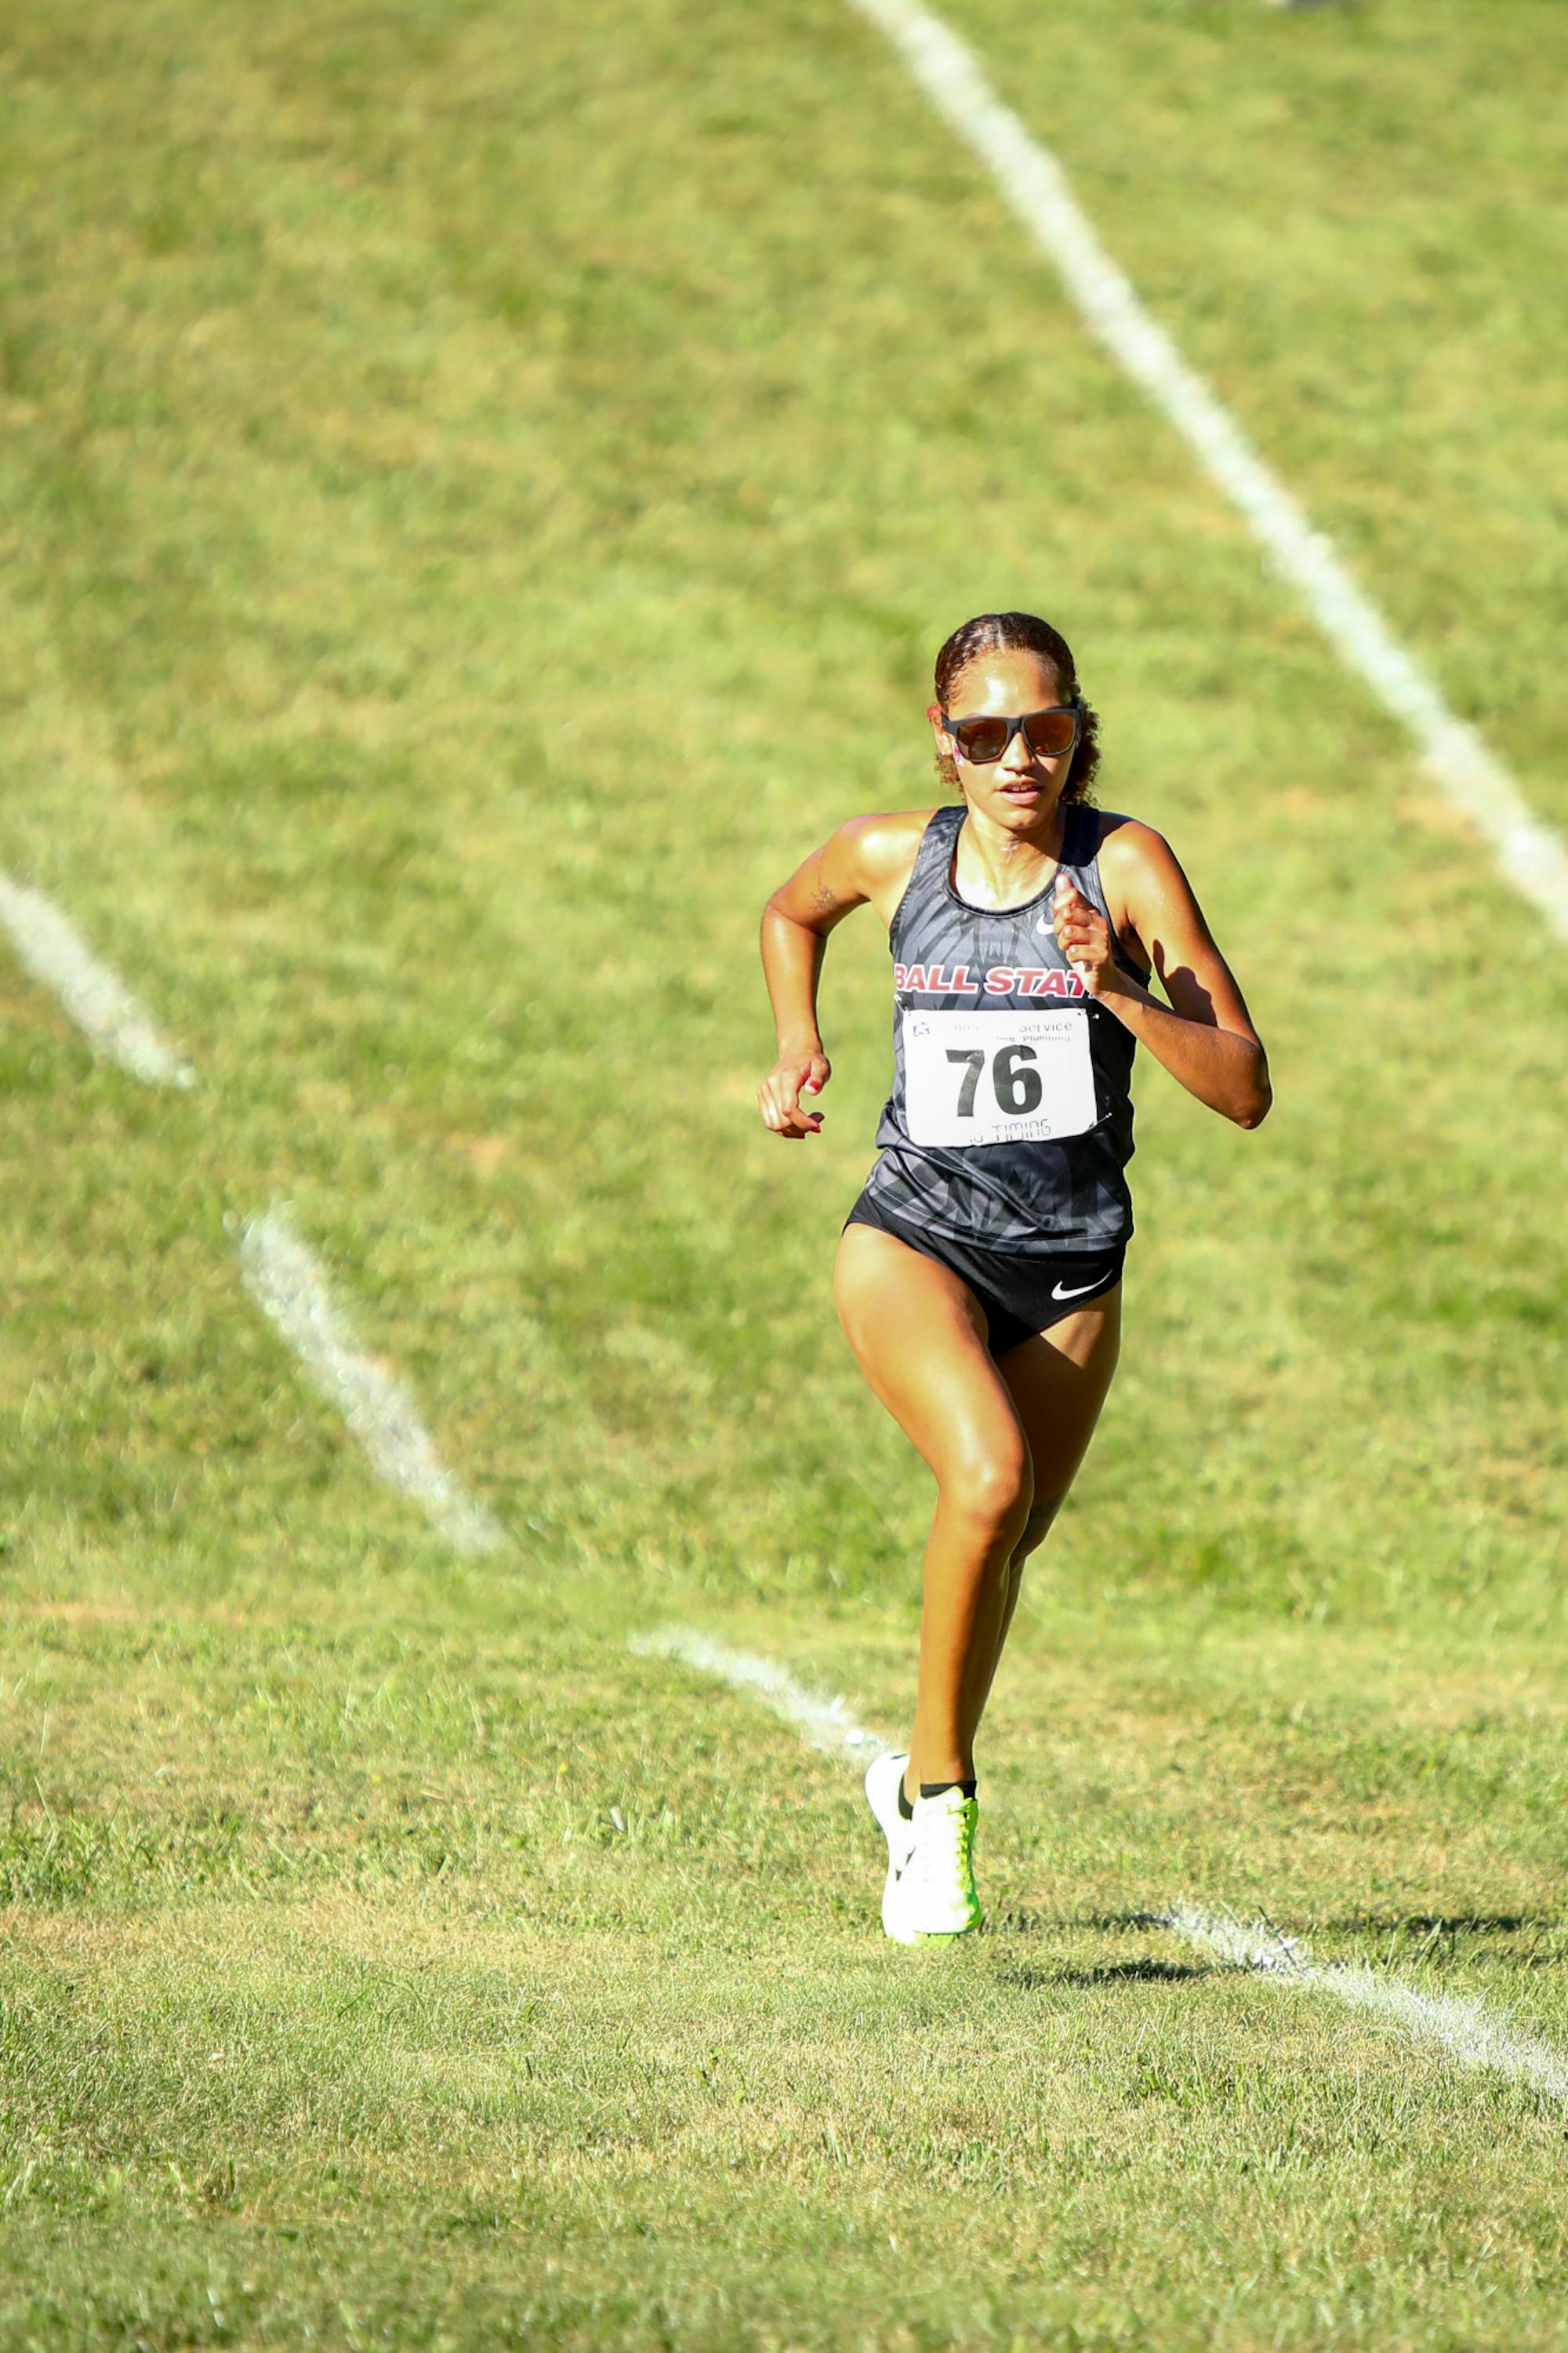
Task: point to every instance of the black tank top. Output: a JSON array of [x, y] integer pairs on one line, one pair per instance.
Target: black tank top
[[1010, 1123]]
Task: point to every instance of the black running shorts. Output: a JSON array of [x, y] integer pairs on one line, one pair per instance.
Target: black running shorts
[[1020, 1296]]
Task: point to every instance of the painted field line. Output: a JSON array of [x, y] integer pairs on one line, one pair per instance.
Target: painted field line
[[823, 1718], [1475, 2036], [289, 1285], [1464, 2030], [1532, 856], [278, 1270], [96, 999]]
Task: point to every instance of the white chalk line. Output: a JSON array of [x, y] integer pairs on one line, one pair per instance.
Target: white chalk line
[[288, 1284], [823, 1718], [1475, 2036], [278, 1270], [97, 999], [1530, 853]]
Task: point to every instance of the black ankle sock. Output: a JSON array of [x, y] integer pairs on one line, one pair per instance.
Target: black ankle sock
[[936, 1788], [906, 1811]]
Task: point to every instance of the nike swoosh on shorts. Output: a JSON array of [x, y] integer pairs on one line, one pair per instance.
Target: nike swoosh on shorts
[[1077, 1292]]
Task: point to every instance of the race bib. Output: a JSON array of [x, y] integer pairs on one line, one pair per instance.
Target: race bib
[[997, 1078]]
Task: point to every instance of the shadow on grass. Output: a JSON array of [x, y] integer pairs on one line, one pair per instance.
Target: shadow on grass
[[1041, 1924], [1478, 1938], [1425, 1937], [1431, 1925], [1440, 1923], [1113, 1973]]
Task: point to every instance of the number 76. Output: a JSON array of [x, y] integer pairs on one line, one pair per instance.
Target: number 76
[[1017, 1087]]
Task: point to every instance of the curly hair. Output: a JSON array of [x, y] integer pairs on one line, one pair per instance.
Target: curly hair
[[993, 633]]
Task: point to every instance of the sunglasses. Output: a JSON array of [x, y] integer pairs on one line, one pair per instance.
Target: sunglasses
[[1048, 733]]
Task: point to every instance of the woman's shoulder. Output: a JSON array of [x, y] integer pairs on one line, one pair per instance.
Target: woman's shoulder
[[882, 848], [885, 841], [1125, 846], [1139, 874], [891, 825]]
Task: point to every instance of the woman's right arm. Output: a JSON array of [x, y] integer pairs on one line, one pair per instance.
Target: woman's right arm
[[863, 860]]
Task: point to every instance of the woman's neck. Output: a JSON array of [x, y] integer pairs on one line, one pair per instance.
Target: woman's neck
[[1010, 865]]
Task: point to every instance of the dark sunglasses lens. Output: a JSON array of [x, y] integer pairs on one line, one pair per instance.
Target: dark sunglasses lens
[[1051, 731], [981, 739]]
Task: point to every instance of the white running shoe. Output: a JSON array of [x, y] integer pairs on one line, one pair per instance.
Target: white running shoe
[[933, 1894], [884, 1778]]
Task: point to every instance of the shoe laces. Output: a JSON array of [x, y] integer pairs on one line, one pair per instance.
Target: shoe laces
[[944, 1844]]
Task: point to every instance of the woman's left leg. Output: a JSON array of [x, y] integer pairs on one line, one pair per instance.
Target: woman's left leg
[[1059, 1381]]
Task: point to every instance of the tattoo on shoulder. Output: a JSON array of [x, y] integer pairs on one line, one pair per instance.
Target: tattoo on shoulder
[[823, 900]]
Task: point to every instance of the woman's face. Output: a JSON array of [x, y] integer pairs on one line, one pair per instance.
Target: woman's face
[[1023, 787]]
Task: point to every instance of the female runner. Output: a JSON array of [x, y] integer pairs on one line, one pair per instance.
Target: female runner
[[979, 1275]]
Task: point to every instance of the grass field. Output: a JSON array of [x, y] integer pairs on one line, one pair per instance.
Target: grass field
[[481, 492]]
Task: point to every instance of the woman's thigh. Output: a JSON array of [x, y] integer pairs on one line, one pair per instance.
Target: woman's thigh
[[920, 1335], [1058, 1382]]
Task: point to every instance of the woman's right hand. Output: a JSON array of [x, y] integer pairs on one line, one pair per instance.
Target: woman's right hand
[[779, 1096]]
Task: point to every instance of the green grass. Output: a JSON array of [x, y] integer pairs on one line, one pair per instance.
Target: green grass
[[481, 496]]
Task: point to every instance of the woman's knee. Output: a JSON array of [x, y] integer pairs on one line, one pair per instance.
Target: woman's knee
[[993, 1491]]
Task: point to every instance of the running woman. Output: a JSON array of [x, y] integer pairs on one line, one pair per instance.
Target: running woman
[[979, 1275]]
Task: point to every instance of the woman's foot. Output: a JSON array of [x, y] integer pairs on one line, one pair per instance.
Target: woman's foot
[[884, 1786], [933, 1894]]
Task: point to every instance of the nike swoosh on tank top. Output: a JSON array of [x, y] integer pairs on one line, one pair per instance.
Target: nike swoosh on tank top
[[1010, 1122]]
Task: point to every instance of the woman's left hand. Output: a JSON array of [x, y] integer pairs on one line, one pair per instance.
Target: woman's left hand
[[1083, 936]]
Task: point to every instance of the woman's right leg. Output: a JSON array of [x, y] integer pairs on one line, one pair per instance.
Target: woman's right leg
[[921, 1338]]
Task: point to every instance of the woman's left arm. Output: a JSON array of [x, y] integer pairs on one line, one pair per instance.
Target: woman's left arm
[[1205, 1038]]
